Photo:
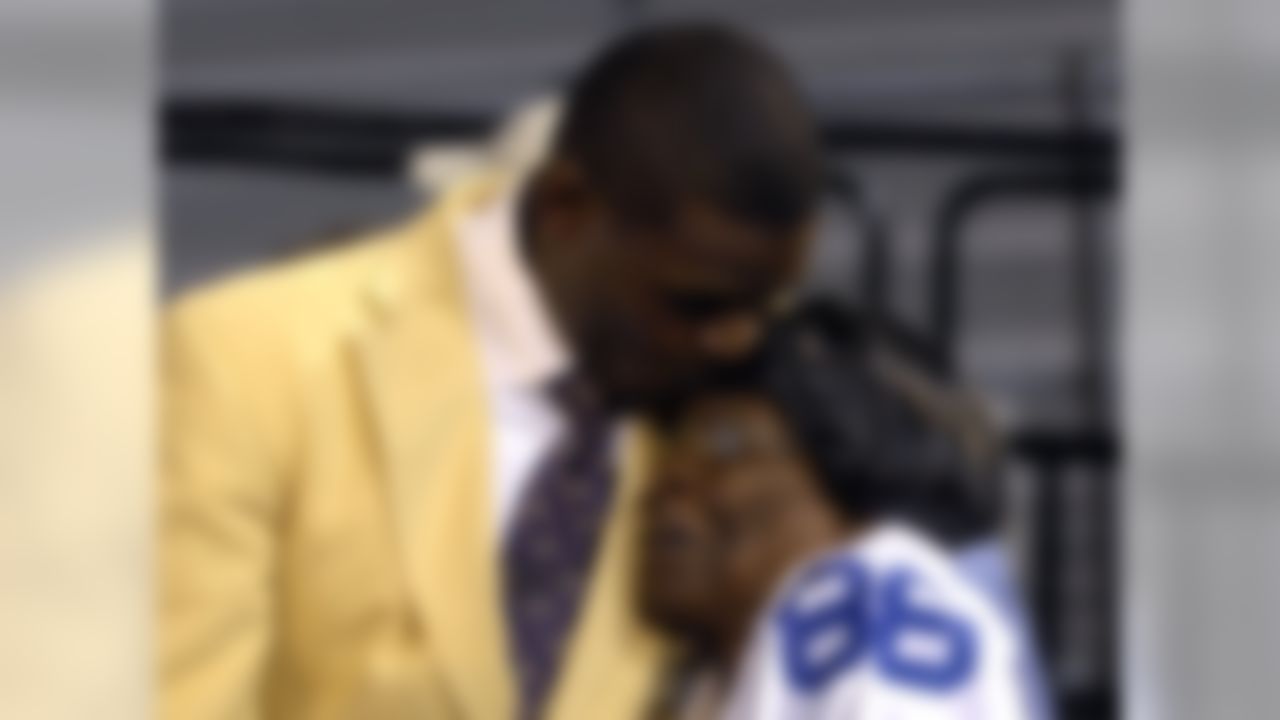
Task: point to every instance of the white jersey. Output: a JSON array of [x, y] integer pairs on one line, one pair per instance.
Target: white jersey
[[884, 628]]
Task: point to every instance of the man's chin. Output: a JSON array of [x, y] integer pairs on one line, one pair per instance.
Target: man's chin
[[631, 397], [644, 394]]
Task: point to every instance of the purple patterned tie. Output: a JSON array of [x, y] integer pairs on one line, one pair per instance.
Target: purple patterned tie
[[552, 540]]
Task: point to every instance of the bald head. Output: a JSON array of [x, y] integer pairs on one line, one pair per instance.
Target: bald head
[[697, 112]]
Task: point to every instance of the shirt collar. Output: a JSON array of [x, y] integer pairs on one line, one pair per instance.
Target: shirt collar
[[520, 341]]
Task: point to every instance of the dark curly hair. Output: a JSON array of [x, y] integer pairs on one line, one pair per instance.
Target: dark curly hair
[[873, 450]]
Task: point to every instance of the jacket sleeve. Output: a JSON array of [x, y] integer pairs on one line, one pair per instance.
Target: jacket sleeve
[[219, 510]]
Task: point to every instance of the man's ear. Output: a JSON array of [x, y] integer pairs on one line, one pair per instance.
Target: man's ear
[[559, 200]]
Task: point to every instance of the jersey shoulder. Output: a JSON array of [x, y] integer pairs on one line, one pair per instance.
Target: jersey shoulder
[[897, 549], [896, 554]]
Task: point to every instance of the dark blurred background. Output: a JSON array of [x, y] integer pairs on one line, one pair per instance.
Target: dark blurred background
[[974, 155]]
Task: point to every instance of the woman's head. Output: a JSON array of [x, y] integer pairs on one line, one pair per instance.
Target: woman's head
[[734, 503], [769, 466]]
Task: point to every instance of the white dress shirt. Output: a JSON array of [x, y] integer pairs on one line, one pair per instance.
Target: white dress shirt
[[520, 349]]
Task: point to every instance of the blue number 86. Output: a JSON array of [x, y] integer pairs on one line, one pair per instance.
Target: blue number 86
[[836, 616]]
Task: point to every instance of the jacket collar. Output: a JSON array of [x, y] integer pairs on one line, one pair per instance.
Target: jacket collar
[[522, 347]]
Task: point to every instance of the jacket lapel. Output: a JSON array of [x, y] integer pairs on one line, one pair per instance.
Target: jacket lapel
[[614, 661], [429, 413]]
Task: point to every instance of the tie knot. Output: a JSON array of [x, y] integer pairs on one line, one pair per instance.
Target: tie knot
[[574, 395]]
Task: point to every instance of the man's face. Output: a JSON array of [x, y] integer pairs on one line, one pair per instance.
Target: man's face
[[731, 508], [649, 308]]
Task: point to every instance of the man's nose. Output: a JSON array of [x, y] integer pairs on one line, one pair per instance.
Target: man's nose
[[731, 338]]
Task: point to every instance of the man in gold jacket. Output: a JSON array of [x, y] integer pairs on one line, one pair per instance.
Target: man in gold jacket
[[350, 438]]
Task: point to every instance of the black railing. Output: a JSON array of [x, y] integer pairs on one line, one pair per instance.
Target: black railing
[[874, 267], [1091, 450], [946, 258], [350, 141]]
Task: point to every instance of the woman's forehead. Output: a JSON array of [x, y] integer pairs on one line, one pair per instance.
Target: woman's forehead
[[729, 425]]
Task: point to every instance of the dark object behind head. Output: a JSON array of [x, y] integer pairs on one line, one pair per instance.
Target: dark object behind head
[[694, 112], [875, 452]]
